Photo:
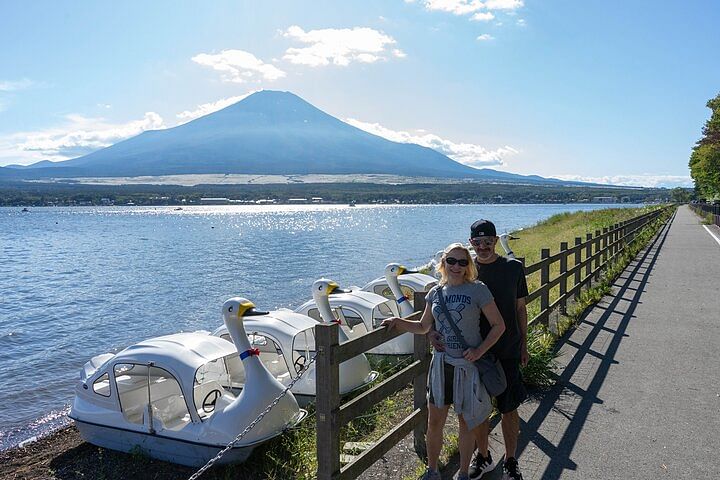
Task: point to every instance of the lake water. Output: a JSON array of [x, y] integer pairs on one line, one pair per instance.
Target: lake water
[[77, 282]]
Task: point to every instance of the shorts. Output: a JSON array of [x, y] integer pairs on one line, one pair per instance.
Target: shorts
[[515, 392], [507, 401], [449, 372]]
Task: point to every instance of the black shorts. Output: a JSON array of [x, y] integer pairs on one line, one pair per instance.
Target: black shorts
[[515, 392], [449, 385]]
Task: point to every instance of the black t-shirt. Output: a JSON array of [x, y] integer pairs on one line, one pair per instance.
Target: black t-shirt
[[505, 278]]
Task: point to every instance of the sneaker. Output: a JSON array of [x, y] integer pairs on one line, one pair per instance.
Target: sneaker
[[481, 465], [511, 471], [431, 475]]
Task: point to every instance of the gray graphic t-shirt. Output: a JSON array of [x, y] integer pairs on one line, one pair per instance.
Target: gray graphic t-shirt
[[464, 302]]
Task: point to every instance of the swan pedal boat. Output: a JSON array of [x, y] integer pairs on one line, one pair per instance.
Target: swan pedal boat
[[286, 341], [400, 284], [358, 312], [179, 397]]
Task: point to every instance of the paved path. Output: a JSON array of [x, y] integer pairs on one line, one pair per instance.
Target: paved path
[[639, 394]]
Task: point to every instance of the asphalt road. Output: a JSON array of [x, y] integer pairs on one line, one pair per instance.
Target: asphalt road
[[639, 390]]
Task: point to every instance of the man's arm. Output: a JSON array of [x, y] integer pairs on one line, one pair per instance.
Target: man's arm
[[521, 315]]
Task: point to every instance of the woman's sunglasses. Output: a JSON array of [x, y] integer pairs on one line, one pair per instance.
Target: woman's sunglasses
[[460, 261]]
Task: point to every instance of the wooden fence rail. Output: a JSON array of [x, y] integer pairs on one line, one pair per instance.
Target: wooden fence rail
[[588, 259]]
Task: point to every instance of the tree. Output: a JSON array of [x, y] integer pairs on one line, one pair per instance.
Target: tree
[[681, 195], [705, 158]]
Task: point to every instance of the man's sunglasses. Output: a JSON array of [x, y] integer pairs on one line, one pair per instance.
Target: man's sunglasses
[[460, 261], [487, 241]]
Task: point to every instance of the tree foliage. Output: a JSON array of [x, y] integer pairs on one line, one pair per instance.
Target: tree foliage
[[705, 157]]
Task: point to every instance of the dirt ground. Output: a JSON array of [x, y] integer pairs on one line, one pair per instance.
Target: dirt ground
[[63, 455]]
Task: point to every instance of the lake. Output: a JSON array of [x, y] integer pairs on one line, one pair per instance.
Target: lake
[[77, 282]]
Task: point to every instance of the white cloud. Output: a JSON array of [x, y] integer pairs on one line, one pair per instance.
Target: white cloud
[[483, 17], [643, 180], [485, 37], [208, 108], [78, 136], [480, 10], [339, 46], [504, 4], [466, 153], [239, 66], [11, 86], [456, 7], [521, 22]]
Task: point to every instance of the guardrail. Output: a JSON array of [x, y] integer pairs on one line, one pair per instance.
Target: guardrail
[[588, 259], [704, 208]]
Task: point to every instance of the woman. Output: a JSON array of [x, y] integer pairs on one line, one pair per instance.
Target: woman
[[453, 377]]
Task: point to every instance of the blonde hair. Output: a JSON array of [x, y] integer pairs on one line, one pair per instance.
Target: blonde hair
[[470, 271]]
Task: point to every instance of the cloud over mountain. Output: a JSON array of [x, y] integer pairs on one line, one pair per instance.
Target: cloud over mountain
[[339, 46], [239, 66], [466, 153]]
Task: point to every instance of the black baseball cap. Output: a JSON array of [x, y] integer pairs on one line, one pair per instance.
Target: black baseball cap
[[483, 228]]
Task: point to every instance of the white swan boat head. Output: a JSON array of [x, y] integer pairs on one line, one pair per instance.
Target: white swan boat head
[[400, 284], [357, 312], [172, 396], [286, 342]]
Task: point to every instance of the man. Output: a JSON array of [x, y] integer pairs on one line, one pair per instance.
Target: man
[[505, 278]]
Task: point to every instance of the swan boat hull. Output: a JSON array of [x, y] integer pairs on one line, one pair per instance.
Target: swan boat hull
[[160, 447]]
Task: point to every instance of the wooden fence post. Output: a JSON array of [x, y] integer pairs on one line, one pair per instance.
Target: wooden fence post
[[420, 351], [588, 256], [327, 403], [578, 260], [616, 229], [597, 256], [605, 247], [544, 280], [563, 281]]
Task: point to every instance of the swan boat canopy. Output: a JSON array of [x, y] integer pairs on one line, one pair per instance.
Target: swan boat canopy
[[286, 341], [357, 312], [179, 398], [400, 284]]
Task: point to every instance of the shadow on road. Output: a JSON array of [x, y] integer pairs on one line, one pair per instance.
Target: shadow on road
[[631, 285]]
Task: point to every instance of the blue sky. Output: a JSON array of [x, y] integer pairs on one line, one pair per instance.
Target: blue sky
[[602, 91]]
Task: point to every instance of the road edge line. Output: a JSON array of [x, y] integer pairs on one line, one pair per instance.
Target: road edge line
[[712, 234]]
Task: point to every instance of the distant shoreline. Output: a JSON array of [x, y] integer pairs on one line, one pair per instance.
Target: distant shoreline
[[293, 190]]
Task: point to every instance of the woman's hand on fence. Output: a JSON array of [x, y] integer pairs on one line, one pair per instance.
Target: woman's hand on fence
[[472, 354], [391, 323]]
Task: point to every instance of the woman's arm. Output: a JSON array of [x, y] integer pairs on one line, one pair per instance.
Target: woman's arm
[[420, 327], [497, 327]]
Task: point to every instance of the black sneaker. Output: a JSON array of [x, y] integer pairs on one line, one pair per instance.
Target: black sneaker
[[511, 471], [481, 465]]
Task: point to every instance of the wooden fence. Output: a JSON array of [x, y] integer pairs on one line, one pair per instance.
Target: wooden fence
[[588, 258]]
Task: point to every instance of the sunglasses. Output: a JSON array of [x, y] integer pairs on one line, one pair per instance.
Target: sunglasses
[[460, 261], [487, 241]]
